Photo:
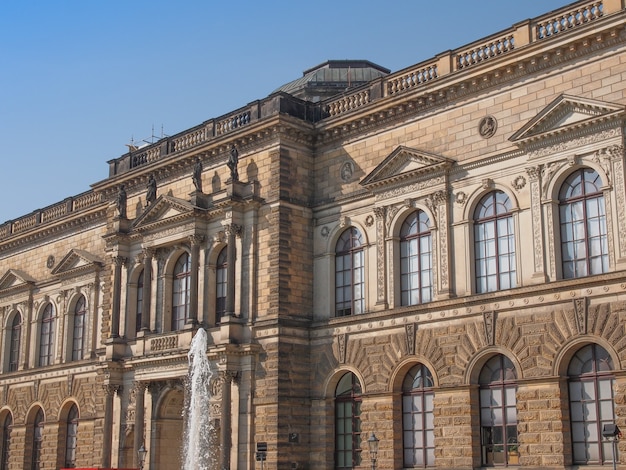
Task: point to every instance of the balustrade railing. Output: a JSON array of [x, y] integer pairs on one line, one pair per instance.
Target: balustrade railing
[[568, 20], [482, 52], [51, 213]]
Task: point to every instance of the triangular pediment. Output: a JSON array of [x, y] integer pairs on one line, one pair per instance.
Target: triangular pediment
[[15, 279], [166, 209], [564, 114], [406, 163], [77, 261]]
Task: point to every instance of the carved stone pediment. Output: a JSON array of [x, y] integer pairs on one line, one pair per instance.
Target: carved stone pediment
[[405, 164], [567, 114], [165, 210], [15, 280], [77, 262]]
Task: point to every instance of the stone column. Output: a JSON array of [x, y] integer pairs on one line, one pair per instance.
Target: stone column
[[147, 290], [110, 391], [441, 251], [231, 255], [119, 261], [534, 174], [193, 288], [616, 155], [226, 418], [381, 263], [139, 419]]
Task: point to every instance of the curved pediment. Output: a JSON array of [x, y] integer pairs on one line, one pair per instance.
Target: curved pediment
[[564, 114], [406, 163]]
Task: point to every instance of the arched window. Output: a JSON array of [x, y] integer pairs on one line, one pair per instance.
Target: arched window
[[14, 346], [6, 441], [139, 303], [494, 243], [498, 412], [46, 337], [348, 422], [221, 273], [417, 418], [37, 440], [180, 292], [349, 274], [591, 404], [584, 246], [416, 260], [78, 338], [70, 437]]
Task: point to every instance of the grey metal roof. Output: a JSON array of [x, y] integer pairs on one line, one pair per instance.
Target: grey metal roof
[[332, 77]]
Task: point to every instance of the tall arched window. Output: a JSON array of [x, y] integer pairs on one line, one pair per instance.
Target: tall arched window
[[46, 336], [139, 303], [591, 404], [221, 276], [349, 274], [494, 243], [14, 346], [498, 412], [417, 418], [584, 246], [180, 292], [416, 260], [71, 428], [37, 440], [6, 441], [78, 337], [348, 422]]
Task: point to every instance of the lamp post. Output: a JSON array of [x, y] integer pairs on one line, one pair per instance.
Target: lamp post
[[612, 434], [372, 443], [141, 453]]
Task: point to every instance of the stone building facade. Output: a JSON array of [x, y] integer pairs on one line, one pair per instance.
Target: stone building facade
[[435, 255]]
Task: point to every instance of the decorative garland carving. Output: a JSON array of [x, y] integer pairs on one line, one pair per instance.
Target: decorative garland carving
[[410, 330], [341, 347], [489, 319], [580, 312]]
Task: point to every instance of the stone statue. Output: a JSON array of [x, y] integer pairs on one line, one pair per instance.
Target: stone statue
[[152, 189], [197, 175], [121, 202], [233, 160]]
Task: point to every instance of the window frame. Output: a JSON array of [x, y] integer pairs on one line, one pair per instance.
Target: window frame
[[78, 330], [15, 339], [348, 397], [350, 270], [221, 284], [594, 378], [411, 251], [421, 394], [498, 454], [46, 336], [71, 436], [567, 219], [181, 289], [482, 224]]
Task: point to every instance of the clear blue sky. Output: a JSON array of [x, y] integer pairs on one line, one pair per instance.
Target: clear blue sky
[[79, 78]]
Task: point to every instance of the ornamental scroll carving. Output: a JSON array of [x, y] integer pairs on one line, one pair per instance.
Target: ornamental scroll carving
[[580, 312], [380, 213]]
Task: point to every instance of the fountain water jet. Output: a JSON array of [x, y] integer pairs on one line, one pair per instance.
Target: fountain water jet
[[198, 451]]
